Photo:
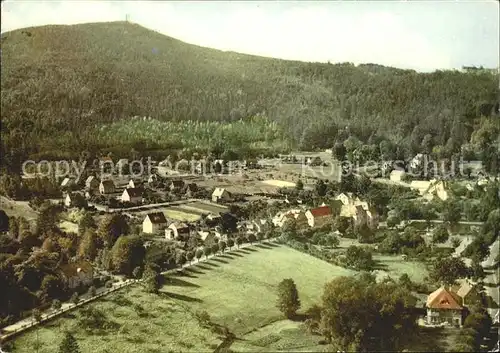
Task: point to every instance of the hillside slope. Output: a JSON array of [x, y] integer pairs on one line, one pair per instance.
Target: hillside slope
[[70, 78]]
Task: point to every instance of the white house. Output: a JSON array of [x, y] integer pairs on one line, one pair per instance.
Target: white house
[[319, 216], [75, 200], [78, 273], [154, 223], [175, 230], [132, 195], [91, 183], [107, 187], [221, 194]]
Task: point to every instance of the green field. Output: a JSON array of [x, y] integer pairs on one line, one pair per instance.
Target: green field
[[395, 267], [238, 290]]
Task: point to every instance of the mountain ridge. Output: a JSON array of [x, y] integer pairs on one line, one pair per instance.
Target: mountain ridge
[[74, 77]]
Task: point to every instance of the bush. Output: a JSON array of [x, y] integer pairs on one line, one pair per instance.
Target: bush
[[440, 234]]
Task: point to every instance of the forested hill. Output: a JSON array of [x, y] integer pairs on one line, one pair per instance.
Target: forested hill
[[71, 78]]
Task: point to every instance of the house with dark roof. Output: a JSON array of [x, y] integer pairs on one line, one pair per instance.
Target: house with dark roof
[[154, 223], [444, 306], [221, 194], [176, 185], [91, 183], [75, 199], [319, 216], [77, 273], [132, 195], [176, 230], [107, 187]]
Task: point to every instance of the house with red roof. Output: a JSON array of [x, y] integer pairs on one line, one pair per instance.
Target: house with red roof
[[444, 306], [319, 216]]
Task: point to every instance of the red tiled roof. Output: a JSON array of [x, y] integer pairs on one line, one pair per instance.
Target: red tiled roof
[[321, 211], [444, 299]]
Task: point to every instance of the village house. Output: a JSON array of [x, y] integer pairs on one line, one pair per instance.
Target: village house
[[210, 236], [135, 183], [212, 220], [77, 273], [467, 291], [154, 223], [75, 200], [298, 215], [68, 182], [221, 194], [191, 189], [319, 216], [176, 185], [106, 187], [153, 178], [359, 211], [444, 306], [175, 230], [92, 183], [132, 195]]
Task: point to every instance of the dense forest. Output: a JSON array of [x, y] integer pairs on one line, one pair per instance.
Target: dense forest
[[61, 84]]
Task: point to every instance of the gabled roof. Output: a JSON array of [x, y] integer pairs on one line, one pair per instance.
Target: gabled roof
[[177, 183], [134, 192], [219, 191], [321, 211], [463, 289], [108, 183], [157, 217], [444, 299], [179, 225]]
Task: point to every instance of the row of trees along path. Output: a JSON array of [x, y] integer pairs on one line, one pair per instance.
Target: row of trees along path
[[39, 317]]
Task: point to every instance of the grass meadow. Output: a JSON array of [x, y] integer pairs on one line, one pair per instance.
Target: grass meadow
[[237, 289]]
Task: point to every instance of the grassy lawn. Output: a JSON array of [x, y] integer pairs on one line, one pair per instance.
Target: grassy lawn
[[205, 207], [181, 216], [237, 290], [147, 323], [395, 267]]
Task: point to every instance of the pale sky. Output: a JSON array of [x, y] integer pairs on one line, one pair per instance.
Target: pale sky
[[421, 35]]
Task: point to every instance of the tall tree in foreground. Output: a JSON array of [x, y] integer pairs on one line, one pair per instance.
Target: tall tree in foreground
[[361, 315], [69, 344], [288, 298]]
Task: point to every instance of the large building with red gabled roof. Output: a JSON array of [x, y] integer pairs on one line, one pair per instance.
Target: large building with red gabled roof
[[319, 216], [444, 306]]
